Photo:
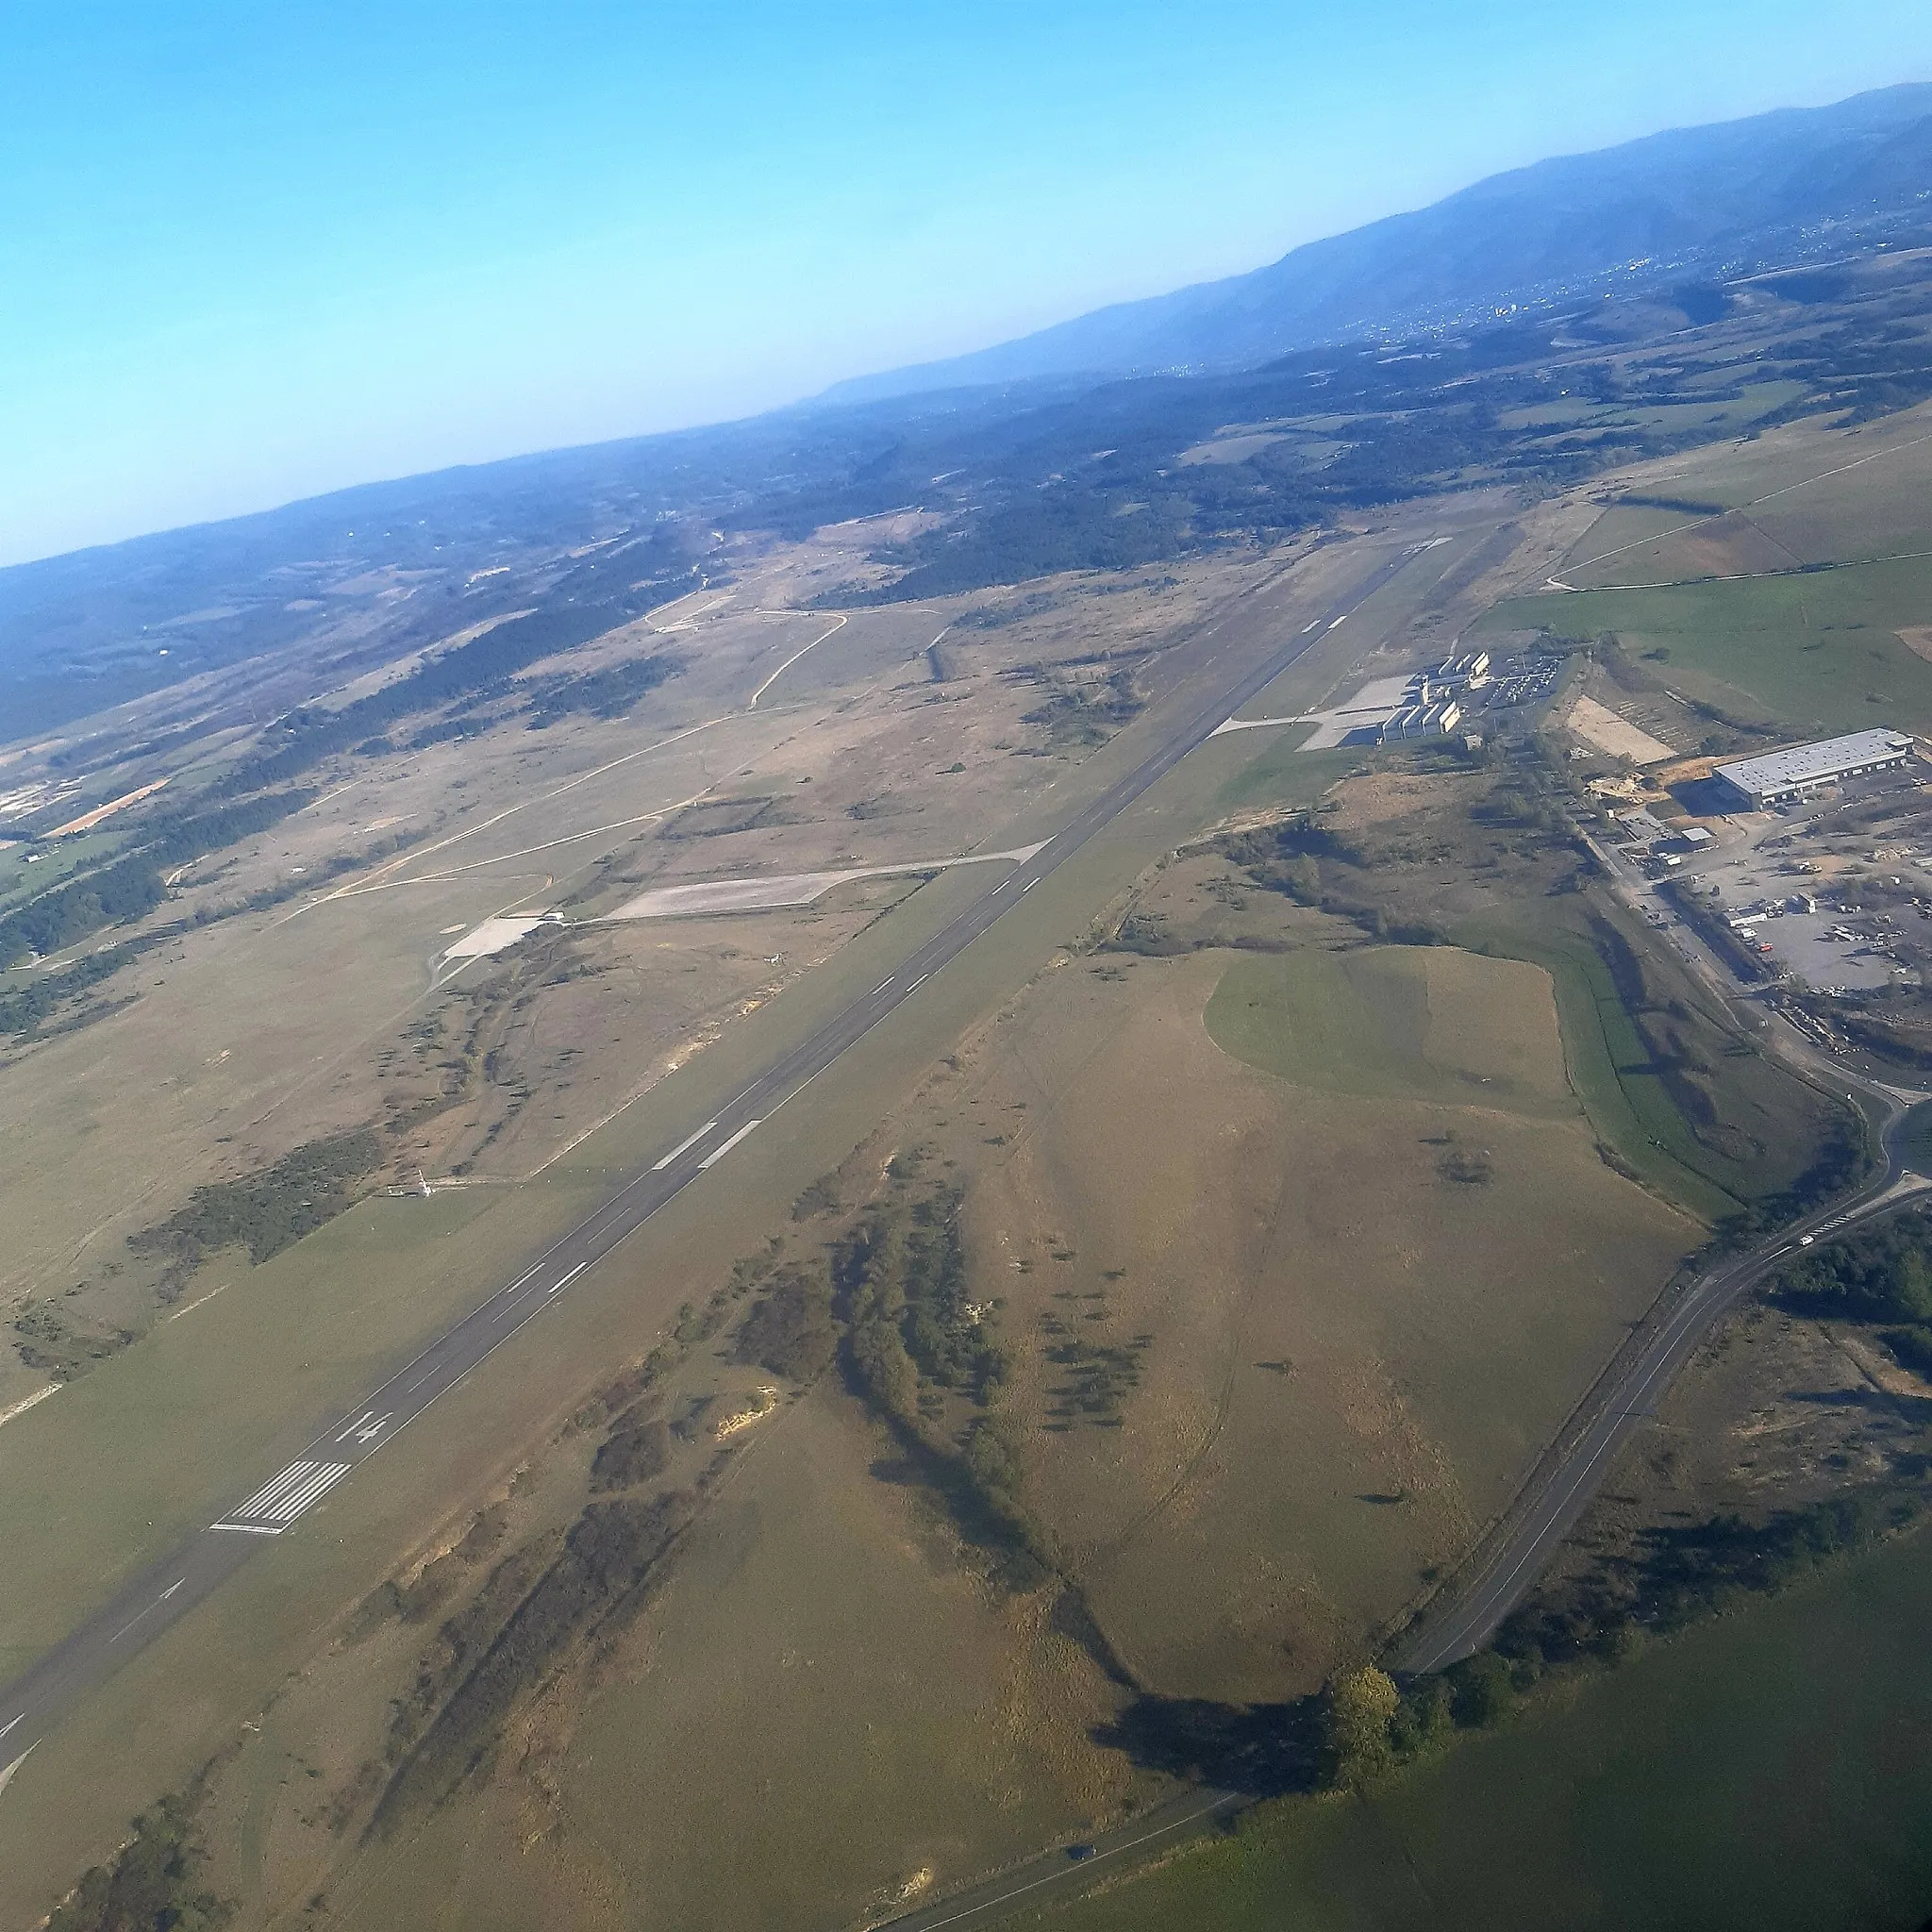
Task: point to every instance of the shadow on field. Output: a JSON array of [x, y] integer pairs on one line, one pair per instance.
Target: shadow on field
[[1264, 1749]]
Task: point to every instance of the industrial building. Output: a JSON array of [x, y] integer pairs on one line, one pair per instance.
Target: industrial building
[[1781, 775], [1431, 720], [1469, 668]]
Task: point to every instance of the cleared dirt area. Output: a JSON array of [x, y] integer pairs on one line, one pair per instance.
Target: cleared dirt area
[[1599, 725]]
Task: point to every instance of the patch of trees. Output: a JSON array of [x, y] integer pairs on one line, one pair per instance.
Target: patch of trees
[[153, 1884], [66, 915], [1062, 527], [22, 1011], [132, 887], [609, 1559], [637, 1449], [908, 1267], [1310, 865], [481, 668], [790, 1330], [1880, 1274], [606, 694], [270, 1210], [1678, 1574], [914, 1350], [1090, 715]]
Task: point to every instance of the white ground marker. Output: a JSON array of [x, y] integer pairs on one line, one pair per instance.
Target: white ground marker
[[682, 1147], [719, 1153], [277, 1505]]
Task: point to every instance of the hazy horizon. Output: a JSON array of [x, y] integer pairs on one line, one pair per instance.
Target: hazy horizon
[[252, 272]]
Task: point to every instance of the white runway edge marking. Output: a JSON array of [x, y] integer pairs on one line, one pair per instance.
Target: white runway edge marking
[[280, 1502], [718, 1153], [682, 1147]]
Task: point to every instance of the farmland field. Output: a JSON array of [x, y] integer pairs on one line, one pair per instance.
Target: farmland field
[[1787, 611], [1765, 1770]]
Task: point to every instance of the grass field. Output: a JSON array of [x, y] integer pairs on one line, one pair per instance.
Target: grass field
[[1815, 649], [1766, 1770], [1286, 1337], [1614, 1073], [1408, 1022], [1816, 652]]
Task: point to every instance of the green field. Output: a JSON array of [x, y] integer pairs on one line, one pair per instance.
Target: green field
[[1818, 651], [1614, 1073], [1392, 1021], [1767, 1770]]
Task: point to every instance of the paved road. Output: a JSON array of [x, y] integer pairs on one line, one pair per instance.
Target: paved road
[[167, 1589], [1058, 1872], [1558, 1493]]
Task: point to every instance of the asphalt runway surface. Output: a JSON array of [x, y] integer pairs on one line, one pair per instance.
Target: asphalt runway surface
[[165, 1591]]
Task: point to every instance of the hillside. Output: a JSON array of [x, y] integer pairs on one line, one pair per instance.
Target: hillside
[[1691, 201]]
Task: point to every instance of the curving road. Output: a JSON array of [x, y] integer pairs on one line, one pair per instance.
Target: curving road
[[1560, 1488], [164, 1591]]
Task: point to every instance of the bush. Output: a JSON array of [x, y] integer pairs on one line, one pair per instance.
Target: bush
[[271, 1210], [791, 1331]]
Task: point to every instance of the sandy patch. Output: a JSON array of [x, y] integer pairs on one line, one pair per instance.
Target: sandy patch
[[1599, 725]]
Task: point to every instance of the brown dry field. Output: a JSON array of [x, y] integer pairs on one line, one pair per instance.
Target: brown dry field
[[1273, 1349], [264, 1031], [1348, 1370], [822, 1708]]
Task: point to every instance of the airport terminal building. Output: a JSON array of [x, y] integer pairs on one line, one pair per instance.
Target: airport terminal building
[[1779, 776]]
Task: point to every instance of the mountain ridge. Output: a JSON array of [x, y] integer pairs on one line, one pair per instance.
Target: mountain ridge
[[1677, 201]]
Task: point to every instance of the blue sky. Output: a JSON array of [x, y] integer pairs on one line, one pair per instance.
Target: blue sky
[[249, 253]]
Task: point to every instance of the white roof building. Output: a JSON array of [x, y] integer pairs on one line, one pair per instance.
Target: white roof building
[[1801, 768]]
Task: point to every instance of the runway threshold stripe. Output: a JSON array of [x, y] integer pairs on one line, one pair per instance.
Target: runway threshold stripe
[[325, 1479], [258, 1503]]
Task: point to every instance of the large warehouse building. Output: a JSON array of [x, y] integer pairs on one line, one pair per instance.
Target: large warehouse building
[[1780, 775]]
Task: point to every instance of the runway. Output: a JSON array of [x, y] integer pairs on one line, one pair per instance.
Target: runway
[[272, 1502]]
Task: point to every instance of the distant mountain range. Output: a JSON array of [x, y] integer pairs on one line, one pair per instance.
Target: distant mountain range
[[1698, 200]]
